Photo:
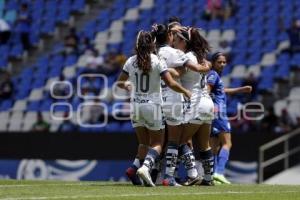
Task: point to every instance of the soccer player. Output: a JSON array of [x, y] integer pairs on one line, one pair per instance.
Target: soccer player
[[199, 112], [221, 137], [172, 102], [144, 72]]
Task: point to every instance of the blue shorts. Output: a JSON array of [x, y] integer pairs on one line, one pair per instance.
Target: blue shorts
[[220, 126]]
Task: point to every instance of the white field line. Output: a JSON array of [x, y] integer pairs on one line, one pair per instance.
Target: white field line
[[51, 184], [143, 195]]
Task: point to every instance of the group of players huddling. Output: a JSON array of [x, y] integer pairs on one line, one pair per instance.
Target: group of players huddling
[[177, 96]]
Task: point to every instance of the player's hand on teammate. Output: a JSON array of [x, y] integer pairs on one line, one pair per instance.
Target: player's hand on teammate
[[208, 64], [247, 89], [188, 94], [127, 86]]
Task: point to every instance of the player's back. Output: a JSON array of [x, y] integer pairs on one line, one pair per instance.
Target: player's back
[[146, 85], [172, 57]]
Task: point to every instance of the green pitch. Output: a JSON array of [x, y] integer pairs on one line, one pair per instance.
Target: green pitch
[[35, 190]]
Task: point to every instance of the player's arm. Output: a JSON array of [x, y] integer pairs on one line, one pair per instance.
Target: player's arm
[[122, 81], [171, 83], [177, 72], [202, 68], [211, 81], [245, 89], [209, 88]]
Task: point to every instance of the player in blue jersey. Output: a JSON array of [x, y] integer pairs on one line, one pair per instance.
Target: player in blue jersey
[[221, 137]]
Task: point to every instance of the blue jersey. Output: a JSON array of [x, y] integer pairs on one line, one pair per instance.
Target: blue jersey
[[217, 93]]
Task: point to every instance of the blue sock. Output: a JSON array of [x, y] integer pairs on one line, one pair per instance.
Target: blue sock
[[222, 160], [215, 162], [151, 158], [136, 164]]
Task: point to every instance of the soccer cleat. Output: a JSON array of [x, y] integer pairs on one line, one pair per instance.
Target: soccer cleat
[[170, 182], [217, 182], [207, 183], [221, 178], [143, 173], [131, 174], [191, 181]]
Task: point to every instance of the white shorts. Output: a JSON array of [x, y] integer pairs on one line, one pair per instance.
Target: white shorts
[[200, 111], [147, 115], [173, 109]]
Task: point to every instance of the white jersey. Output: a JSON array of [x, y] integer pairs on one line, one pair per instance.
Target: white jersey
[[199, 109], [146, 86], [172, 58], [194, 81], [172, 106]]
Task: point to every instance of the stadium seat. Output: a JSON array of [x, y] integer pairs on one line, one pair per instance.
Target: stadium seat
[[19, 105], [279, 106], [254, 19], [294, 94]]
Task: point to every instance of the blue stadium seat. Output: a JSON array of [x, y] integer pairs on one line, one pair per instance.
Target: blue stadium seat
[[33, 106], [283, 71], [78, 5], [6, 105], [46, 104], [11, 5], [266, 83], [70, 60], [16, 51]]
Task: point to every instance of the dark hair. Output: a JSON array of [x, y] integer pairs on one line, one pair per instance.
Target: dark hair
[[215, 56], [174, 19], [184, 34], [198, 44], [160, 32], [144, 47], [24, 6]]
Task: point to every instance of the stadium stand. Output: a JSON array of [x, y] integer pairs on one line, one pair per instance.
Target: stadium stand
[[258, 48]]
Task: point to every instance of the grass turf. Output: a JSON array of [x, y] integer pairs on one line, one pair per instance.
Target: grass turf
[[35, 190]]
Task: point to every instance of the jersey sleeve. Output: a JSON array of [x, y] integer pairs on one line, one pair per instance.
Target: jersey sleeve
[[179, 59], [126, 67], [191, 57], [212, 78], [162, 67]]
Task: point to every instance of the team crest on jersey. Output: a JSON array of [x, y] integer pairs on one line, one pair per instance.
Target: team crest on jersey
[[211, 77]]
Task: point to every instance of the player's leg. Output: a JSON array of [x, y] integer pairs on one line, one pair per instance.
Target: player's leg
[[173, 112], [171, 155], [156, 142], [153, 121], [205, 152], [223, 156], [186, 154], [215, 147], [143, 141]]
